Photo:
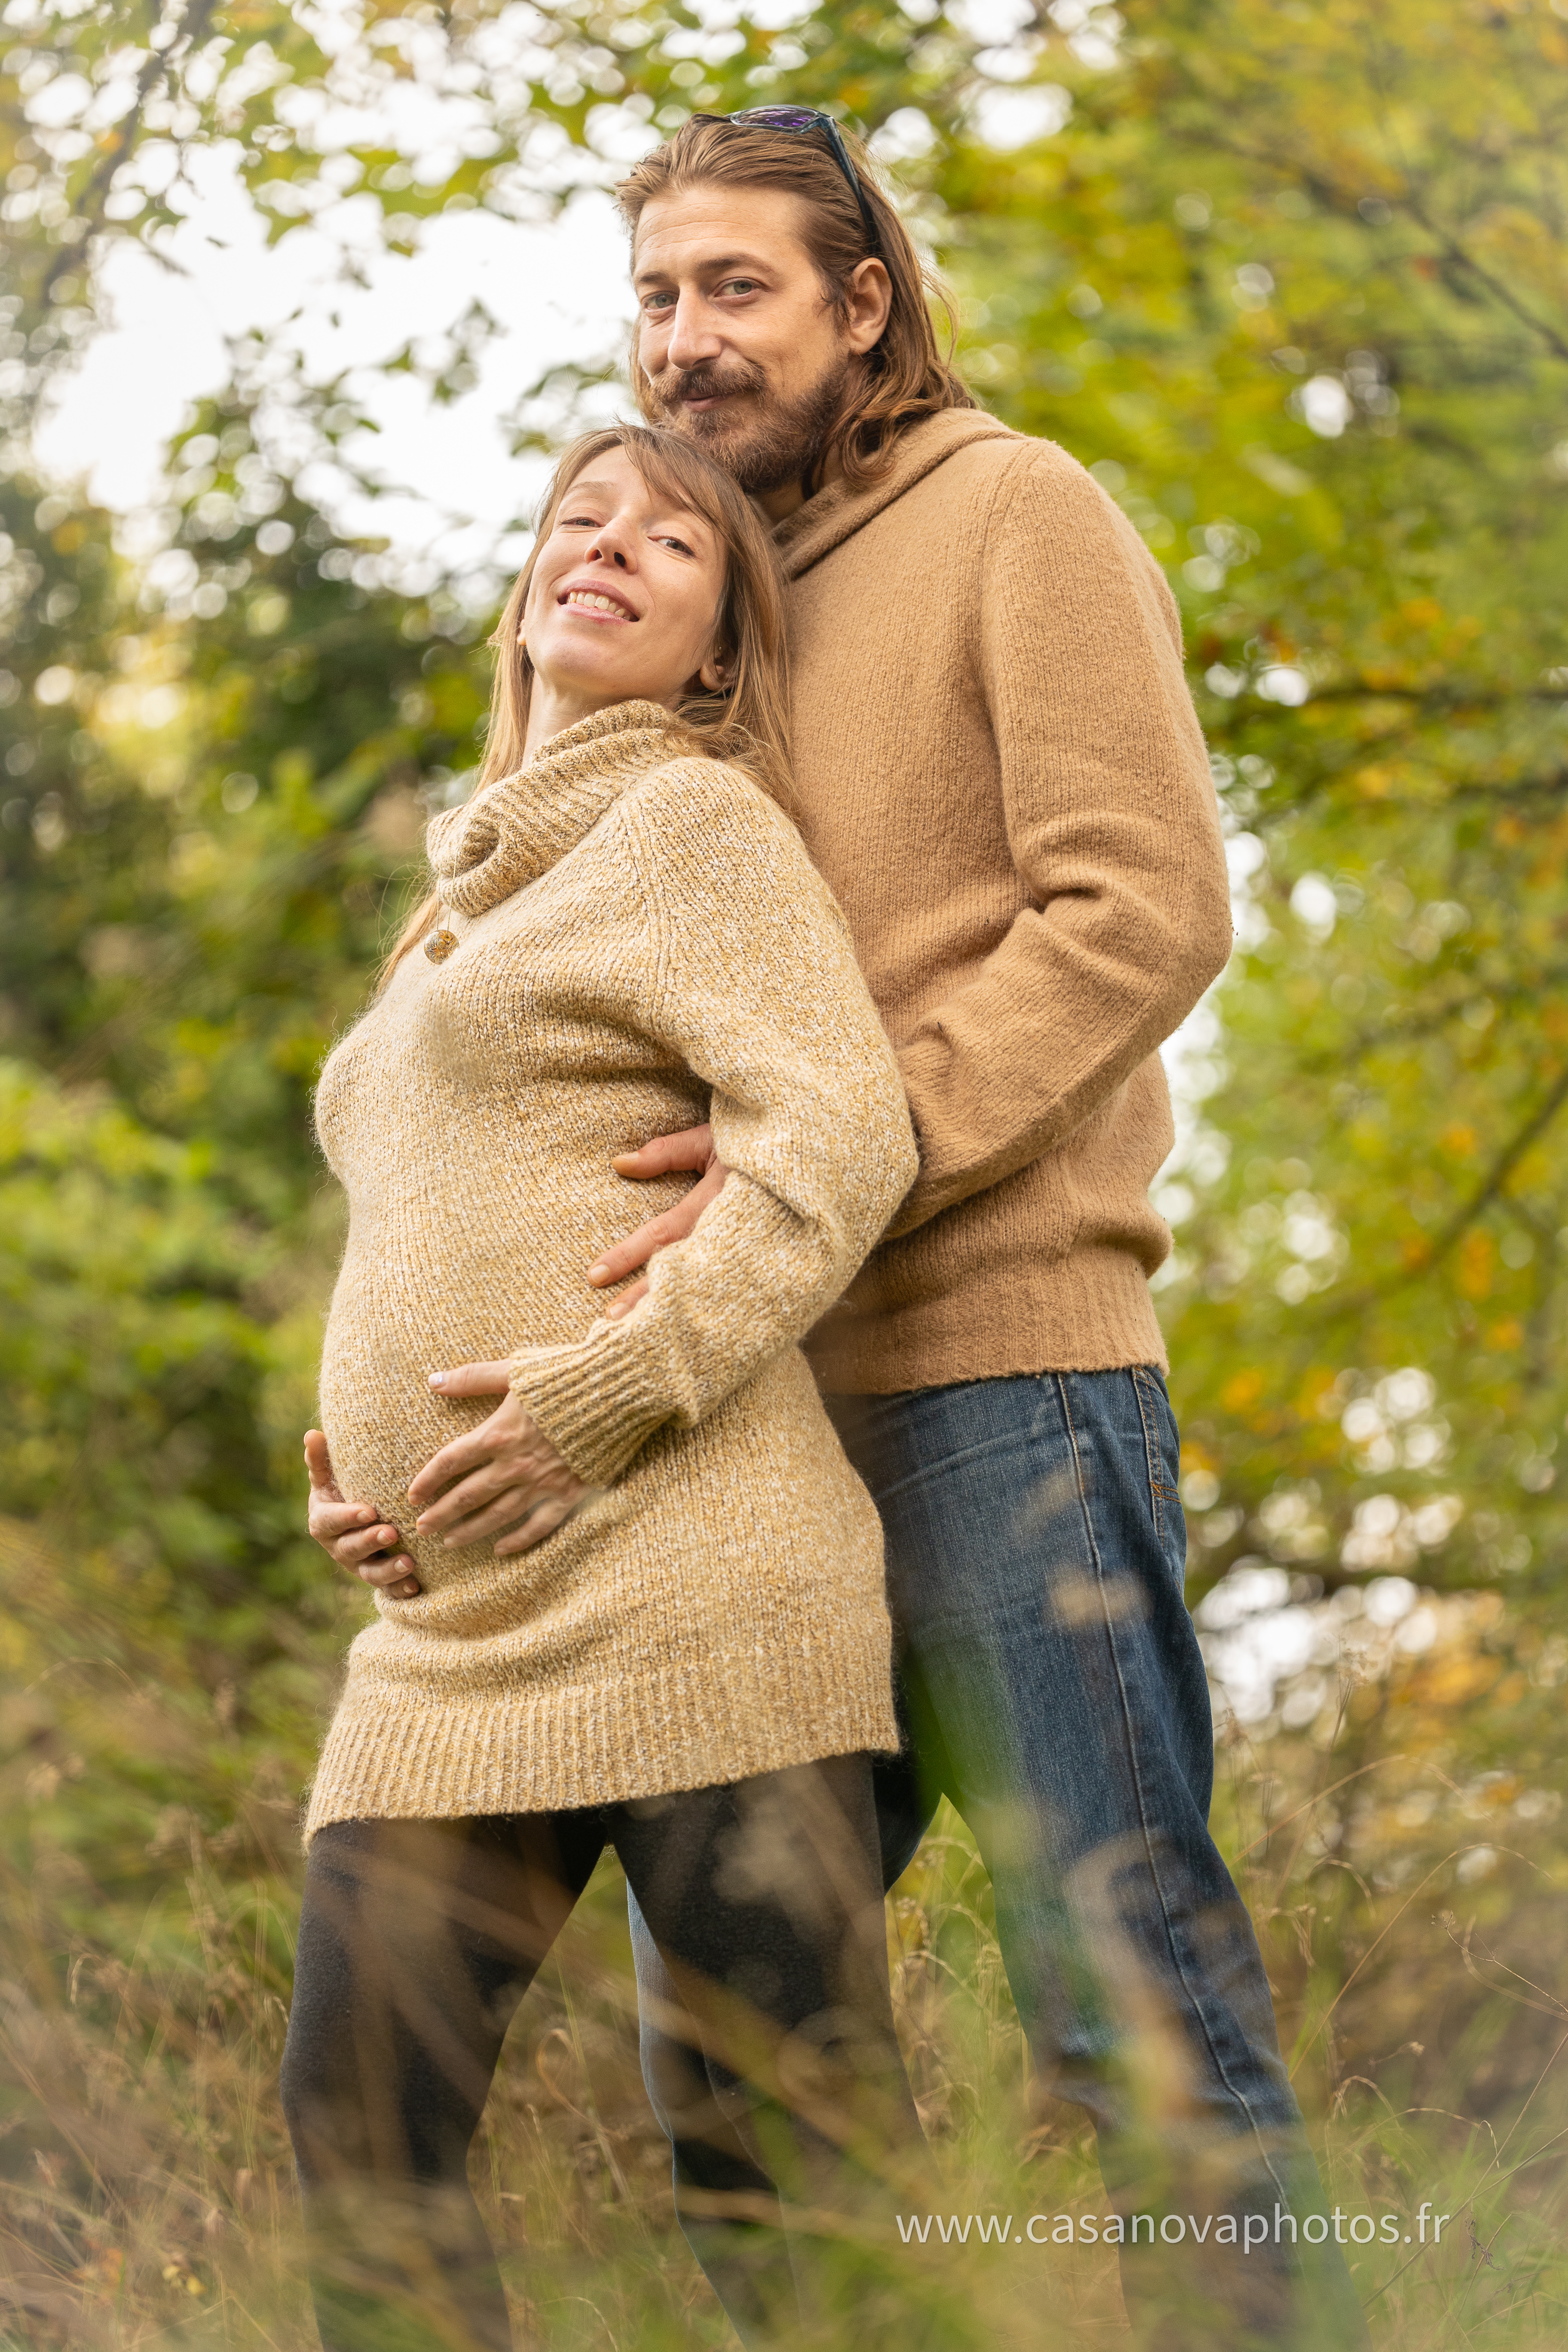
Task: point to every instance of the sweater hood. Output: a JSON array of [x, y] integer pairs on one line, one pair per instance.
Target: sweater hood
[[518, 827], [838, 512]]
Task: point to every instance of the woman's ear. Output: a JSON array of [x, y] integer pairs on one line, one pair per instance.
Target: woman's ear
[[714, 674]]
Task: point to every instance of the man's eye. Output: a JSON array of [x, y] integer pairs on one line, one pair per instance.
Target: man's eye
[[657, 301], [740, 285]]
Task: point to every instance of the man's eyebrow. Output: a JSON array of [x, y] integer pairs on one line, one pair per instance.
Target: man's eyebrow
[[705, 268]]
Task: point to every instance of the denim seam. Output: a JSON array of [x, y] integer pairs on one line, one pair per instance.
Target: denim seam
[[1150, 1455], [1194, 1997]]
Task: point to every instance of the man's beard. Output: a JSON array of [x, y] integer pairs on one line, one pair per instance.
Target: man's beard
[[763, 440]]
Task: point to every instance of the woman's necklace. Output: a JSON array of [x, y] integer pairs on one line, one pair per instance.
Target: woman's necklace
[[439, 941]]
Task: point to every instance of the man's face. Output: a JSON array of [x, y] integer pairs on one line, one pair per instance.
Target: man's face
[[739, 347]]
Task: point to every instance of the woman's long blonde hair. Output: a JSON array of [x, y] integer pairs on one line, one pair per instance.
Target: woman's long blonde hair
[[748, 722]]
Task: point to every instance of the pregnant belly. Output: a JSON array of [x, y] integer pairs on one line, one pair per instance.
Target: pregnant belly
[[384, 1336], [424, 1288]]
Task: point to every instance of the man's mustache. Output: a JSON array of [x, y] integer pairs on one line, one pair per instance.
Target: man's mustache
[[673, 386]]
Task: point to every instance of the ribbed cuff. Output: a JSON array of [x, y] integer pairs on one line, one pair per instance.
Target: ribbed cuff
[[598, 1404]]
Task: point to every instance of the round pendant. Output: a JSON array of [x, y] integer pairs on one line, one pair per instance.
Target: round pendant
[[439, 945]]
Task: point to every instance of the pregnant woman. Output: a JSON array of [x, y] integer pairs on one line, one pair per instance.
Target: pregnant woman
[[638, 1603]]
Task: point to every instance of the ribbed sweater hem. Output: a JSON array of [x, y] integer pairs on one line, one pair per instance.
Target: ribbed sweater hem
[[1090, 1311], [392, 1752]]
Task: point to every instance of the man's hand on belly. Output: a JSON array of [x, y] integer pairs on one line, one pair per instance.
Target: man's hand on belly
[[504, 1481], [666, 1155]]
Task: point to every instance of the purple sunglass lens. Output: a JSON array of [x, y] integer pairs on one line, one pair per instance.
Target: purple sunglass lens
[[780, 118]]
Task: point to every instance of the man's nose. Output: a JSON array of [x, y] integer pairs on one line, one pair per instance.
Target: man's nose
[[693, 337]]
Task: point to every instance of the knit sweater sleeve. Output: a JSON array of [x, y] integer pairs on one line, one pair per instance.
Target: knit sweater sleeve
[[758, 991], [1114, 832]]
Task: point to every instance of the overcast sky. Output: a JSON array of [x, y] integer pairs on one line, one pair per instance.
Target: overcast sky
[[558, 290]]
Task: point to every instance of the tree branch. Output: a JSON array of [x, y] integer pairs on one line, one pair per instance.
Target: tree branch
[[1547, 334], [1430, 1022], [189, 23], [1439, 697], [1459, 1225]]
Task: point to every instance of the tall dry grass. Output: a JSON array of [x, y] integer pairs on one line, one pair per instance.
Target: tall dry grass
[[144, 2171]]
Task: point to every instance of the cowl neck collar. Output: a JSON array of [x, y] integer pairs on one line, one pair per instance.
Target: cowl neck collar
[[518, 827]]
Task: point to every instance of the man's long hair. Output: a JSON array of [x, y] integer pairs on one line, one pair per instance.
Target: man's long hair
[[908, 374], [747, 722]]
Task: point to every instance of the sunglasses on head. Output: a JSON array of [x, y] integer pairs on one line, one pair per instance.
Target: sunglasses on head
[[795, 121]]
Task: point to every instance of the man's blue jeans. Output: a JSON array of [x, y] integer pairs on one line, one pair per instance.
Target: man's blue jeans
[[1053, 1690]]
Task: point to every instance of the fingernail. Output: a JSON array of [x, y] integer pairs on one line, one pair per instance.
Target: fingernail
[[437, 1380], [598, 1273], [617, 1309]]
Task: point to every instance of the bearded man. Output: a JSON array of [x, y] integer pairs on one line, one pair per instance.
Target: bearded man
[[1001, 775]]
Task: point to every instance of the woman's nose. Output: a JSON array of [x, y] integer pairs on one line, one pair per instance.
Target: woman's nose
[[605, 551]]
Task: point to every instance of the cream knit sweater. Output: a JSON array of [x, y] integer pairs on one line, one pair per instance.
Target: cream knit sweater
[[642, 943]]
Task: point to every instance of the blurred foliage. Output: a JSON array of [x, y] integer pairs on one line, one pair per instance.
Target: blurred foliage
[[1291, 279], [204, 817], [1293, 282]]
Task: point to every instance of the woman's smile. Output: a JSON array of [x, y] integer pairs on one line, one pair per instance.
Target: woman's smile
[[599, 602]]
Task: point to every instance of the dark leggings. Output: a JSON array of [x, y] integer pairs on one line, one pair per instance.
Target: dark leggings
[[419, 1939]]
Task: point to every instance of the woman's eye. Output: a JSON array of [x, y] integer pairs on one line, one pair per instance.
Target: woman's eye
[[669, 540], [578, 522]]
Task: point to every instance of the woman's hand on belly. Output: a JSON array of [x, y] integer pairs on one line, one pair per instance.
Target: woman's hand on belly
[[353, 1534], [504, 1482]]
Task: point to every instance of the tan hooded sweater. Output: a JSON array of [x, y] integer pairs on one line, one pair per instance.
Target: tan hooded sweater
[[642, 942], [1000, 777]]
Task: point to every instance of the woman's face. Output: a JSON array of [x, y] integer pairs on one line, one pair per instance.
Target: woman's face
[[625, 596]]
